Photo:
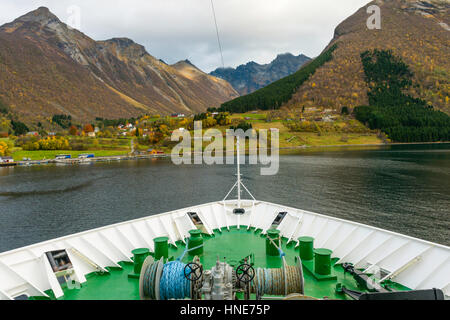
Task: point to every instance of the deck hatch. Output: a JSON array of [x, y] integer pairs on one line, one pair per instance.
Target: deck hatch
[[195, 218], [279, 218], [239, 211]]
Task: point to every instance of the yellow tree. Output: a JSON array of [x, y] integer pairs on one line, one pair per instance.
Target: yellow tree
[[4, 149]]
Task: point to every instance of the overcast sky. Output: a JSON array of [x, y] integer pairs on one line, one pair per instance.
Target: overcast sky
[[173, 30]]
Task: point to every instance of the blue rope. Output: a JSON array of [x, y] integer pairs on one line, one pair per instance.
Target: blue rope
[[186, 250], [280, 251], [173, 283]]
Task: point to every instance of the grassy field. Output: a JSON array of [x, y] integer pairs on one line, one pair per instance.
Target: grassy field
[[290, 139], [102, 148], [249, 116]]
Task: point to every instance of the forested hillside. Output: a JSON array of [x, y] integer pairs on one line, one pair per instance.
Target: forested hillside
[[402, 117], [416, 31], [279, 92]]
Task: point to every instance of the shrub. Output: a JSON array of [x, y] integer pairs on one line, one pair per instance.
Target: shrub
[[4, 149], [49, 143], [242, 125], [64, 121], [19, 128]]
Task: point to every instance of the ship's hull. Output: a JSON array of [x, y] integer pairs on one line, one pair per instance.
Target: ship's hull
[[410, 262]]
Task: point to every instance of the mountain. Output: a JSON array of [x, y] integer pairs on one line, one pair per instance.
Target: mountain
[[253, 76], [416, 31], [205, 82], [48, 68]]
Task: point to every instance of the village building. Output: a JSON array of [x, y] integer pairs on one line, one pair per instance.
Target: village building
[[154, 151], [5, 159]]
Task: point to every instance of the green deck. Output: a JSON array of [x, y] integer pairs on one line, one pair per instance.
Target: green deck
[[234, 244]]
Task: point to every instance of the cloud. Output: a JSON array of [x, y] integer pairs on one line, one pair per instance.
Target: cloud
[[173, 30]]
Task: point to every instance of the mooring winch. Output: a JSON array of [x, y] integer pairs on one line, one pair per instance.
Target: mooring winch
[[177, 280]]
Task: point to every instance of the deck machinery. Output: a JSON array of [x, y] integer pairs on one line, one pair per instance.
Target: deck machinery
[[161, 278]]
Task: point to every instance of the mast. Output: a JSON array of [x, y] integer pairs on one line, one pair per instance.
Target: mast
[[238, 172], [238, 184]]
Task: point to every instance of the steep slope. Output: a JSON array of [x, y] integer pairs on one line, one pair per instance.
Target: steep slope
[[38, 80], [205, 83], [253, 76], [416, 31], [49, 68]]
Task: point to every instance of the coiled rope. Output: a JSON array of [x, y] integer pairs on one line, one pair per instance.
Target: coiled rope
[[149, 280], [277, 282], [173, 284]]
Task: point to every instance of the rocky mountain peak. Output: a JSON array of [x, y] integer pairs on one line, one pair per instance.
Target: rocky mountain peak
[[252, 76], [111, 79], [122, 42], [125, 47], [42, 15], [187, 61], [284, 55]]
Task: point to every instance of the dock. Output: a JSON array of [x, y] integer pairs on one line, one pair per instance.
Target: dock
[[74, 161]]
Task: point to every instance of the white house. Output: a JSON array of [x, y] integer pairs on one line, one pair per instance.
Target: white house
[[6, 160]]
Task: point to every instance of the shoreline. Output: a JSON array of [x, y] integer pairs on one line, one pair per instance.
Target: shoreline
[[75, 161]]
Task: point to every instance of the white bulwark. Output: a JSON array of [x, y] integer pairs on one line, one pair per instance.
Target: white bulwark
[[414, 263]]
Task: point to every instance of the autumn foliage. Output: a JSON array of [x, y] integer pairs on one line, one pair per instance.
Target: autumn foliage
[[49, 143], [88, 128], [4, 149], [418, 39]]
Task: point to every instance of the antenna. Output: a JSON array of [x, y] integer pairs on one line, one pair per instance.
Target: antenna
[[217, 33], [238, 183]]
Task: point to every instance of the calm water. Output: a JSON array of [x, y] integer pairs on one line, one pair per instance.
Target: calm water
[[403, 189]]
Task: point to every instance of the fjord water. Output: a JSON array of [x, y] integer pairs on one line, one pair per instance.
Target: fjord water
[[405, 189]]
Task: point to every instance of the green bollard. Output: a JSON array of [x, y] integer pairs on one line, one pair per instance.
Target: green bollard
[[139, 255], [306, 248], [322, 261], [271, 250], [161, 247], [195, 240]]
